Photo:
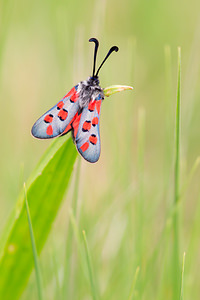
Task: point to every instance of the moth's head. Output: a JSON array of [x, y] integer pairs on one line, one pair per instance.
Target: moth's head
[[93, 80], [114, 48]]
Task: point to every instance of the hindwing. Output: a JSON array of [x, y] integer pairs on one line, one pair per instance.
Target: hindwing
[[86, 131]]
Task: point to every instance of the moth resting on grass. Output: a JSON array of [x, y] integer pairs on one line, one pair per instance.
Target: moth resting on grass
[[79, 112]]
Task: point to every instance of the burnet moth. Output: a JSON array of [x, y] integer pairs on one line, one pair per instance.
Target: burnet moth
[[79, 112]]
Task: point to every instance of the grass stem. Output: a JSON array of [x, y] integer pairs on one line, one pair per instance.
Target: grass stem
[[35, 255], [132, 291], [176, 185], [182, 277], [168, 117], [67, 282], [140, 168], [90, 271]]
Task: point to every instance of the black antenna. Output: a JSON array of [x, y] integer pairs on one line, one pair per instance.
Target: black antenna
[[95, 53], [114, 48]]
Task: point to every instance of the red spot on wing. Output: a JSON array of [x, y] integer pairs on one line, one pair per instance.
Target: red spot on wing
[[86, 126], [93, 139], [67, 129], [95, 121], [49, 130], [91, 106], [48, 118], [73, 90], [63, 113], [98, 106], [84, 147], [72, 94], [69, 126], [74, 97], [60, 104], [75, 124]]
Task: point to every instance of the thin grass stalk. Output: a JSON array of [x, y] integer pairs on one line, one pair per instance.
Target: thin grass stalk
[[177, 136], [74, 204], [90, 270], [34, 248], [78, 240], [168, 127], [67, 282], [182, 277], [175, 266], [140, 168], [193, 243], [58, 291], [190, 177], [139, 239], [132, 291]]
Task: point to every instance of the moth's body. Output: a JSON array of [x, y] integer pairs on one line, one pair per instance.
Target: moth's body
[[89, 90], [79, 111]]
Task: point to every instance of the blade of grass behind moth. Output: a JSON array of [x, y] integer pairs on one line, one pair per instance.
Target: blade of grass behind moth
[[182, 277], [132, 291], [57, 290], [175, 260], [140, 166], [90, 270], [74, 204], [35, 255], [140, 196], [168, 117], [78, 243], [67, 283], [193, 243], [189, 177]]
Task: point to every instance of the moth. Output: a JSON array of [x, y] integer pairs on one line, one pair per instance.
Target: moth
[[78, 111]]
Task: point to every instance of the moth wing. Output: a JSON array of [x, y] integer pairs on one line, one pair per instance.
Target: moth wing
[[86, 131], [55, 121]]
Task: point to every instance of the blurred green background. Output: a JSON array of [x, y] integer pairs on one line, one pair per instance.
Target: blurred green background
[[125, 199]]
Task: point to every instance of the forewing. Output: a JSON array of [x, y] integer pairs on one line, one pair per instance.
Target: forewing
[[86, 131], [55, 121]]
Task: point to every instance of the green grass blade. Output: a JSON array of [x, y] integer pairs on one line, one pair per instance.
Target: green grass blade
[[78, 241], [55, 264], [90, 271], [67, 282], [190, 177], [140, 197], [168, 116], [132, 291], [45, 190], [74, 204], [35, 255], [177, 137], [182, 276], [175, 261]]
